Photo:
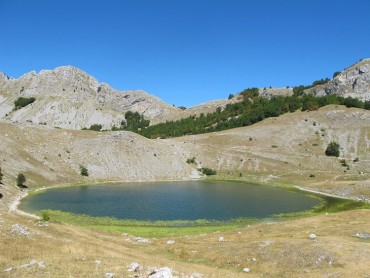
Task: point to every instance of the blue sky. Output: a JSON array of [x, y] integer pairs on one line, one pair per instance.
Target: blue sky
[[186, 51]]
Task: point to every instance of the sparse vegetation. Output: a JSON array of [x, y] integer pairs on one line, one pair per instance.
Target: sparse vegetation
[[1, 177], [190, 160], [344, 163], [22, 102], [332, 149], [83, 171]]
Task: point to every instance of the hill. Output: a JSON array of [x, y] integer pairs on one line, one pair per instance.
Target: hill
[[67, 97], [284, 150]]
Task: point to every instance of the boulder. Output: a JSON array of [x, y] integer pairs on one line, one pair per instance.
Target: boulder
[[134, 267], [164, 272], [20, 230], [312, 236]]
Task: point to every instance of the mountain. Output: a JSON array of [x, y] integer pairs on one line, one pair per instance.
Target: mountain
[[352, 82], [67, 97]]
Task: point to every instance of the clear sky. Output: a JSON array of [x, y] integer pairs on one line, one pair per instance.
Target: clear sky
[[186, 51]]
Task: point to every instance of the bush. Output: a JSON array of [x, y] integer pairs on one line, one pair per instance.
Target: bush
[[22, 102], [207, 171], [21, 179], [1, 177], [332, 149], [45, 216], [95, 127], [190, 160], [83, 171]]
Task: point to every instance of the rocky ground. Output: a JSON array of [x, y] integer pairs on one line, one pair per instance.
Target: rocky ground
[[278, 151]]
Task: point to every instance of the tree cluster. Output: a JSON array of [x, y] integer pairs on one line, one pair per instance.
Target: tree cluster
[[245, 113]]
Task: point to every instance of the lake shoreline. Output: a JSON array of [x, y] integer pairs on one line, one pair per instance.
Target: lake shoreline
[[15, 203]]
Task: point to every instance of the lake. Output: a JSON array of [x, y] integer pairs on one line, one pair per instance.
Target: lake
[[190, 200]]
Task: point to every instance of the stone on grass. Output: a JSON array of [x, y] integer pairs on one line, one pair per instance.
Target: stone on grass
[[170, 242], [141, 240], [164, 272], [97, 262], [20, 230], [221, 238], [312, 236], [134, 267], [246, 269], [109, 275], [8, 269], [363, 235]]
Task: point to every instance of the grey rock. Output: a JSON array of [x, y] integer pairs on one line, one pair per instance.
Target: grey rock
[[20, 230], [141, 240], [109, 275], [363, 235], [312, 236], [134, 267], [164, 272], [353, 82]]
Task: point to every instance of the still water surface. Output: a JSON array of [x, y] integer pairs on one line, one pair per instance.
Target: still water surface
[[189, 200]]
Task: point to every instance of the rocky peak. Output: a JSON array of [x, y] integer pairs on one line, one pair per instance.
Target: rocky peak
[[352, 82], [70, 98]]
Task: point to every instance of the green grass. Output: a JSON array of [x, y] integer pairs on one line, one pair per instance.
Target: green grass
[[147, 228], [328, 205]]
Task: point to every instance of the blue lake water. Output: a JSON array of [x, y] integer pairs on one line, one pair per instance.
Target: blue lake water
[[190, 200]]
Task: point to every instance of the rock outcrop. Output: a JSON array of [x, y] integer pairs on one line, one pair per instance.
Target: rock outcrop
[[353, 82], [67, 97]]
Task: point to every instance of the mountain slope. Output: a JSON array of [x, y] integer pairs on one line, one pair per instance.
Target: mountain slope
[[352, 82], [67, 97]]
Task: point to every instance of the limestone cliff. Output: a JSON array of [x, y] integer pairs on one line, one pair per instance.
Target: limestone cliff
[[352, 82]]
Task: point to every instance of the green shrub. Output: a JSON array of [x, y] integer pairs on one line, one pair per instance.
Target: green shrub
[[45, 216], [21, 179], [332, 149], [95, 127], [22, 102], [355, 160], [208, 171], [190, 160], [83, 171]]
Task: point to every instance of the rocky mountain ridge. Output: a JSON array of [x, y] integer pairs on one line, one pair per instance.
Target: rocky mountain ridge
[[352, 82], [68, 97]]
